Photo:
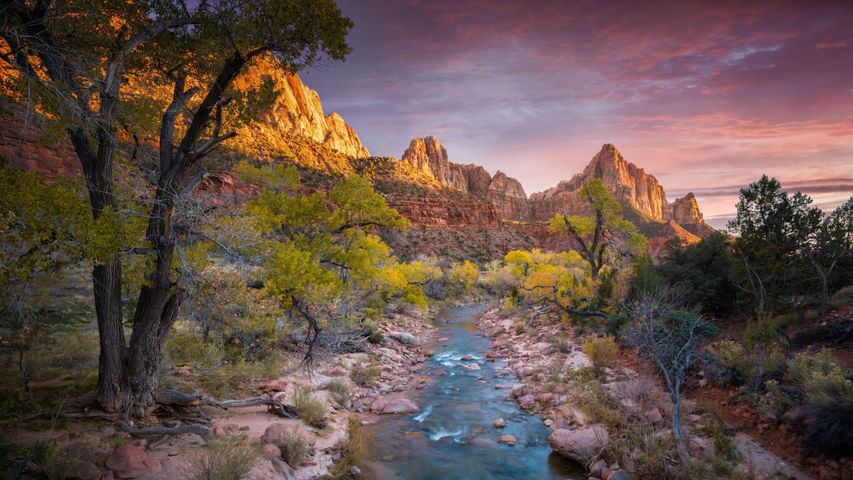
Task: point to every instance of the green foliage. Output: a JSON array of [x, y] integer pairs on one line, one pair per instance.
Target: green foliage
[[364, 376], [321, 256], [818, 375], [765, 330], [49, 461], [703, 273], [601, 351], [228, 458], [350, 449]]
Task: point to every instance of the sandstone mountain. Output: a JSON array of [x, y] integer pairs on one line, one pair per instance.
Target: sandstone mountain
[[298, 108], [640, 194], [449, 204]]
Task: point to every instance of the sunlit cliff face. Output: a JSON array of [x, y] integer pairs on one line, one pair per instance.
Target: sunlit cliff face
[[706, 96]]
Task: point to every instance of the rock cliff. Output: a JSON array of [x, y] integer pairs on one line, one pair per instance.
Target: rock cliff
[[298, 108], [631, 186]]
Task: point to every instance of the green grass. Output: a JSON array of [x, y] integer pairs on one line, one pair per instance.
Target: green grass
[[312, 410]]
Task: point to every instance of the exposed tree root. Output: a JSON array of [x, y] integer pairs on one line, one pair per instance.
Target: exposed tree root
[[176, 428]]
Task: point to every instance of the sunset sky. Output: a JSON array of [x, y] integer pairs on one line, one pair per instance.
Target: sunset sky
[[704, 96]]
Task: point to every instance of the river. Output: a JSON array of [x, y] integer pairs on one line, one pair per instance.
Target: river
[[452, 436]]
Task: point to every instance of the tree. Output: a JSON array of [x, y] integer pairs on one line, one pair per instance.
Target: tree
[[668, 336], [603, 234], [703, 272], [79, 78], [831, 241], [322, 260], [771, 229]]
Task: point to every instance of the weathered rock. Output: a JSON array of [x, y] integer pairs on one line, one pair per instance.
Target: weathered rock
[[130, 461], [277, 433], [597, 467], [527, 401], [653, 416], [271, 451], [394, 406], [507, 440], [499, 423], [403, 337], [471, 366], [580, 445], [619, 475], [83, 470]]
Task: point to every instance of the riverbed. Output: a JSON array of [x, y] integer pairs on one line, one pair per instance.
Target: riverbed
[[452, 436]]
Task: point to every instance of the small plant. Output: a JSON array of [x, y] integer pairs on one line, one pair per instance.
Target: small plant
[[842, 297], [519, 328], [294, 448], [339, 392], [601, 351], [229, 458], [364, 376], [49, 461], [312, 410]]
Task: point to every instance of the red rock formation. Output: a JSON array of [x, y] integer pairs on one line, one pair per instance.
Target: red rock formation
[[508, 197], [631, 186], [298, 108]]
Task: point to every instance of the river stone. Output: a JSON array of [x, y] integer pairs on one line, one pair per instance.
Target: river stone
[[619, 475], [499, 423], [507, 440], [527, 401], [395, 406], [472, 366], [581, 444]]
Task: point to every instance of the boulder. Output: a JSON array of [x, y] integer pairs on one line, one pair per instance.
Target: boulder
[[394, 406], [271, 451], [130, 461], [499, 423], [277, 433], [403, 337], [581, 444]]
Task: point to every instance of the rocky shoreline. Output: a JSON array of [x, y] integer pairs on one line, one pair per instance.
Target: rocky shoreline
[[543, 352]]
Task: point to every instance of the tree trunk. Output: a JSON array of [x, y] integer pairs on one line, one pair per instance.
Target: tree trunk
[[683, 455], [156, 310]]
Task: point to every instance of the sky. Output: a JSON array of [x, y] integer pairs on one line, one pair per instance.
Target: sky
[[706, 96]]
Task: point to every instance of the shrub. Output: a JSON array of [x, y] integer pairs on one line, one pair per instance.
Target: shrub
[[829, 423], [816, 374], [294, 448], [765, 330], [843, 297], [312, 410], [364, 376], [519, 328], [228, 458], [49, 461], [601, 351], [339, 392]]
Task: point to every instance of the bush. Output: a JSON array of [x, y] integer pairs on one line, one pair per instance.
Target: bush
[[312, 410], [842, 298], [339, 392], [364, 376], [294, 448], [49, 461], [829, 423], [229, 458], [765, 330], [601, 351], [818, 376]]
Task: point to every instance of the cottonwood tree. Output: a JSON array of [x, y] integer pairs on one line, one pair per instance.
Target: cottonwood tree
[[669, 336], [75, 58], [603, 234], [322, 259]]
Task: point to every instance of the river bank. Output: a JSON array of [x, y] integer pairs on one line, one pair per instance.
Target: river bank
[[624, 403]]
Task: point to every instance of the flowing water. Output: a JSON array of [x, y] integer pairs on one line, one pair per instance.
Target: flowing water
[[452, 436]]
